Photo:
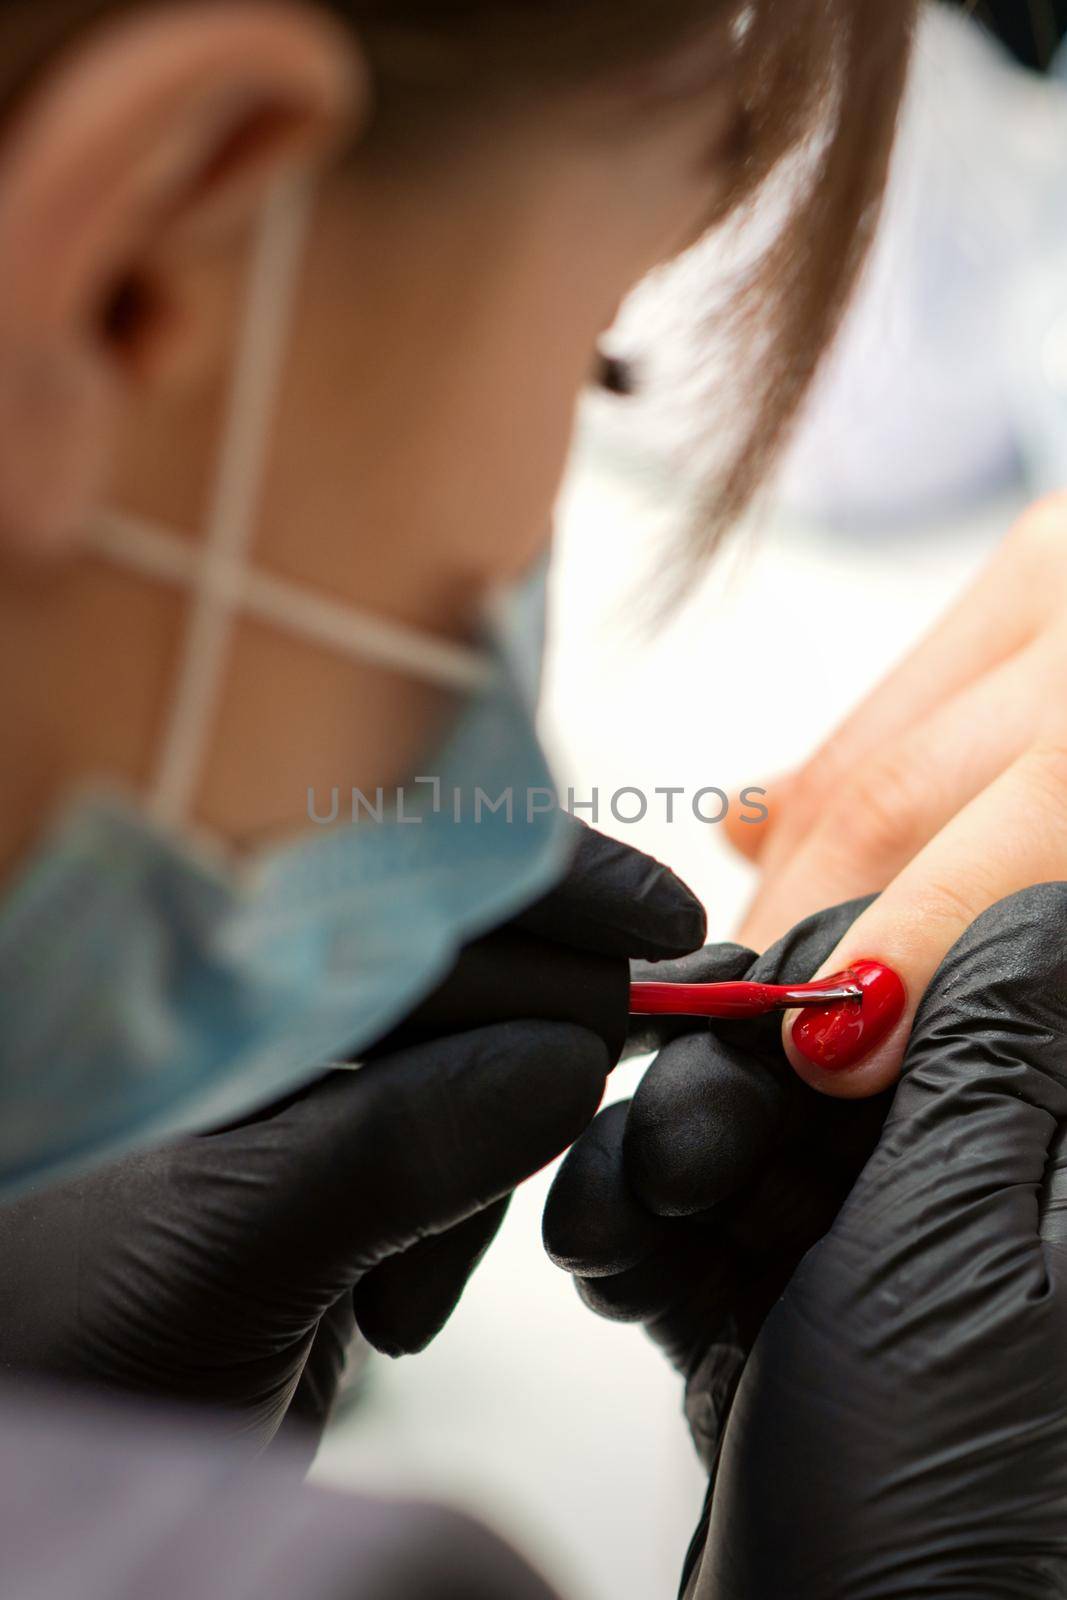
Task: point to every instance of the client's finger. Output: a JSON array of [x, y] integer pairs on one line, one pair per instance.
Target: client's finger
[[1013, 835], [752, 838], [873, 821], [996, 618]]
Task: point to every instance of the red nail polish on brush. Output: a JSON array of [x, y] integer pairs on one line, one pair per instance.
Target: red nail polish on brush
[[840, 1036]]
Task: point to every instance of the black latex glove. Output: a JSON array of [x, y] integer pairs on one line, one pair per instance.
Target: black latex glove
[[690, 1207], [900, 1428], [230, 1269]]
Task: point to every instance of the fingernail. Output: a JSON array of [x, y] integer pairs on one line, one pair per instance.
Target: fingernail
[[840, 1036]]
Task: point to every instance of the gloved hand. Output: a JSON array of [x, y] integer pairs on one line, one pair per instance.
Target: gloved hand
[[900, 1426], [689, 1207], [230, 1269]]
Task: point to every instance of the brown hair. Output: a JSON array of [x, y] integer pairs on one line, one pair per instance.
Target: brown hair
[[821, 77], [825, 74]]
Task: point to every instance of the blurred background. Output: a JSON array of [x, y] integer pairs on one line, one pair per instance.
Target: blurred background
[[941, 412]]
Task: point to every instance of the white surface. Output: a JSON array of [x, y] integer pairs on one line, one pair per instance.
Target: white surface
[[948, 376], [564, 1432], [937, 388]]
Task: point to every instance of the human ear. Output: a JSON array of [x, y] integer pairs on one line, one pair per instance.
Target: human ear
[[147, 137]]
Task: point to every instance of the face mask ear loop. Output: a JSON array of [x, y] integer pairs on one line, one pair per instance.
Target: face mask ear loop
[[278, 254]]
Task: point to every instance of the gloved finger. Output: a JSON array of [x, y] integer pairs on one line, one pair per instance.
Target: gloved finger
[[630, 1266], [681, 1293], [618, 901], [788, 1207], [705, 1117], [785, 962], [512, 976], [698, 1280], [594, 1225], [371, 1162], [715, 1106], [402, 1305], [949, 1200], [716, 963]]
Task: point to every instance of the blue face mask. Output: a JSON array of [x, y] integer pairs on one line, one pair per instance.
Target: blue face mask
[[146, 989]]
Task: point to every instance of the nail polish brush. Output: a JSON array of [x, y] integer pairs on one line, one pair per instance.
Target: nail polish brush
[[739, 1000]]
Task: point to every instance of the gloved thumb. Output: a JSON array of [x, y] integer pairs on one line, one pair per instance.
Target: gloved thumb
[[404, 1303], [373, 1163]]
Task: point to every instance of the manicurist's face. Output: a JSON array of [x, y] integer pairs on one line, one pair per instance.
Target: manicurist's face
[[443, 322]]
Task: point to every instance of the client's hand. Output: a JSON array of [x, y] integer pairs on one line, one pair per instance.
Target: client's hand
[[946, 788], [230, 1269], [900, 1425]]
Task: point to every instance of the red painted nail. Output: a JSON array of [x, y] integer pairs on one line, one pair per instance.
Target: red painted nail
[[840, 1036]]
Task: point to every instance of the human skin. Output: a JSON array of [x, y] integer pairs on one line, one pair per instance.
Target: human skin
[[446, 321], [946, 789]]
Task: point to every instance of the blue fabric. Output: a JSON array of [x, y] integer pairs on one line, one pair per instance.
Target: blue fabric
[[143, 992]]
